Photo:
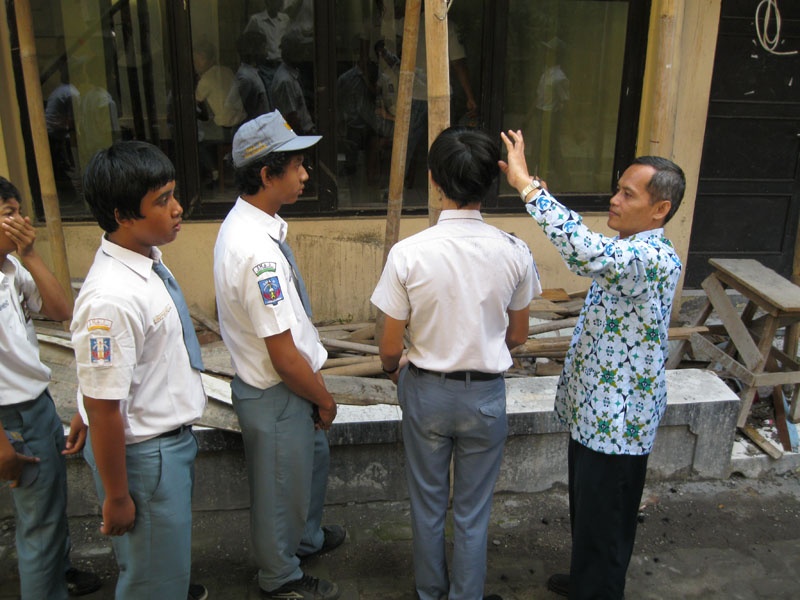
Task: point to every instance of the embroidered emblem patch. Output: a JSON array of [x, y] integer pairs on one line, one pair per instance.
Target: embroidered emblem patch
[[94, 324], [265, 267], [160, 316], [270, 290], [100, 350]]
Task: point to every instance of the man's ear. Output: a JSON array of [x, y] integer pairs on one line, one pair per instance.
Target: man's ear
[[662, 209], [120, 221]]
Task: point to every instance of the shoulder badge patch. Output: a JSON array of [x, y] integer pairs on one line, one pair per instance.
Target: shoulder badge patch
[[265, 267], [100, 350], [270, 290], [95, 324]]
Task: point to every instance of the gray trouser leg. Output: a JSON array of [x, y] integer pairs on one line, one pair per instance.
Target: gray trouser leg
[[279, 442], [468, 419]]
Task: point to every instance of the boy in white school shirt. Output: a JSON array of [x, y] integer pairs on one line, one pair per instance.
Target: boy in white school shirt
[[37, 475], [139, 374]]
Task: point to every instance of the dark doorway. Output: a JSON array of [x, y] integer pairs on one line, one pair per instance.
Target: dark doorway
[[748, 197]]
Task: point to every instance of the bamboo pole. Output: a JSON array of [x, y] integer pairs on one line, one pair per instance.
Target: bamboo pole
[[41, 146], [401, 125], [438, 68], [665, 97]]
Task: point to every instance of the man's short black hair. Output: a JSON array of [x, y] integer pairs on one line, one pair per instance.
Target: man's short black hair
[[248, 177], [667, 183], [463, 162], [119, 177], [9, 191]]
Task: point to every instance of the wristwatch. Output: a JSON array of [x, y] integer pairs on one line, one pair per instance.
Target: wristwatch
[[392, 372], [534, 185]]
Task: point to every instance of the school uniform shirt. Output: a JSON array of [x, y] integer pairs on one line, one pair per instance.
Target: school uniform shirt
[[23, 376], [454, 283], [613, 391], [128, 343], [257, 295]]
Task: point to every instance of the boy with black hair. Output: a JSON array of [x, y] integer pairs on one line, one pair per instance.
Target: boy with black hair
[[612, 392], [139, 374], [465, 276], [32, 446], [278, 393]]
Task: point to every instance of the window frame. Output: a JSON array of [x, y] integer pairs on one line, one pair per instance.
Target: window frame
[[322, 163]]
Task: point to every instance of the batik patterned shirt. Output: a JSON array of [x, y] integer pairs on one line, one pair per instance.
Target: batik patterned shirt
[[612, 392]]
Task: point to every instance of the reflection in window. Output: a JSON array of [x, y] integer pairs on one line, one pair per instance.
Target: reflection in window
[[104, 79], [369, 43], [249, 58], [563, 83]]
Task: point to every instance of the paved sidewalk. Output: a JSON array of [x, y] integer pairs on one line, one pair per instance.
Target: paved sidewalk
[[738, 539]]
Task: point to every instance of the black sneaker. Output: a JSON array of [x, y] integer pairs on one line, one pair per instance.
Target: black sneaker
[[305, 588], [197, 591], [559, 584], [334, 537], [80, 583]]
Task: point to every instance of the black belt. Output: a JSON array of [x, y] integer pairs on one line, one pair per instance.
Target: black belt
[[174, 432], [459, 375]]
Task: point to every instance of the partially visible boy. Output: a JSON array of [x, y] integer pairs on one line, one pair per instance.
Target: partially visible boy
[[139, 374], [28, 416], [278, 393]]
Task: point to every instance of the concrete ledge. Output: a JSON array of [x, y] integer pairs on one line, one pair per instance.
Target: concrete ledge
[[367, 463]]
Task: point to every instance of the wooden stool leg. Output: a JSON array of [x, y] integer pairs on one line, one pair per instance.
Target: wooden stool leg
[[780, 418]]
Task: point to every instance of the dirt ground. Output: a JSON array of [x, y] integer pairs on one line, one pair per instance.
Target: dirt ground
[[738, 538]]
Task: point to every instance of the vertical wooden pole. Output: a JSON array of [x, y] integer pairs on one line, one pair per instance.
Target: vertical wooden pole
[[665, 96], [41, 145], [438, 67], [401, 124]]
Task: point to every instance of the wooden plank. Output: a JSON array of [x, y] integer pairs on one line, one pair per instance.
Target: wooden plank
[[751, 275], [343, 326], [347, 360], [677, 353], [780, 419], [365, 348], [552, 326], [684, 333], [794, 411], [702, 347], [373, 367], [365, 333], [762, 442], [201, 316], [555, 295], [730, 318], [773, 379]]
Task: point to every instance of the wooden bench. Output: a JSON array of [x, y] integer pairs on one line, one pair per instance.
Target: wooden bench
[[750, 355]]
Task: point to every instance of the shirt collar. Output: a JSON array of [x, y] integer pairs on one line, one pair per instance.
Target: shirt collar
[[276, 227], [8, 269], [644, 235], [138, 263], [448, 215]]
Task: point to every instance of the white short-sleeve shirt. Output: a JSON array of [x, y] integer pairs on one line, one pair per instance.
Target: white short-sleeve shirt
[[23, 377], [454, 283], [128, 342], [257, 295]]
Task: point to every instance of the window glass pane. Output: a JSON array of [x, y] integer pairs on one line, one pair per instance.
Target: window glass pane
[[249, 58], [105, 78], [563, 83], [369, 39]]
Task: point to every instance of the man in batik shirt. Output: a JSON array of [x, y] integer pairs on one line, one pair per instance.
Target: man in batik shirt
[[612, 392]]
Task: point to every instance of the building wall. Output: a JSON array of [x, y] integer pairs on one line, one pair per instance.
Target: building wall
[[341, 257]]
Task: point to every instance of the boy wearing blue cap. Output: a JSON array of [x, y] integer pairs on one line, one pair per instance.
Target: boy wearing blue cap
[[278, 393]]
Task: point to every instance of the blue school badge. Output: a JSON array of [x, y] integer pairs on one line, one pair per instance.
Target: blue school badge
[[100, 350], [270, 290]]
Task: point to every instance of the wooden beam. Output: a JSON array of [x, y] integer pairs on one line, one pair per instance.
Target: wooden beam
[[41, 146], [730, 318], [438, 69], [401, 123], [762, 442]]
